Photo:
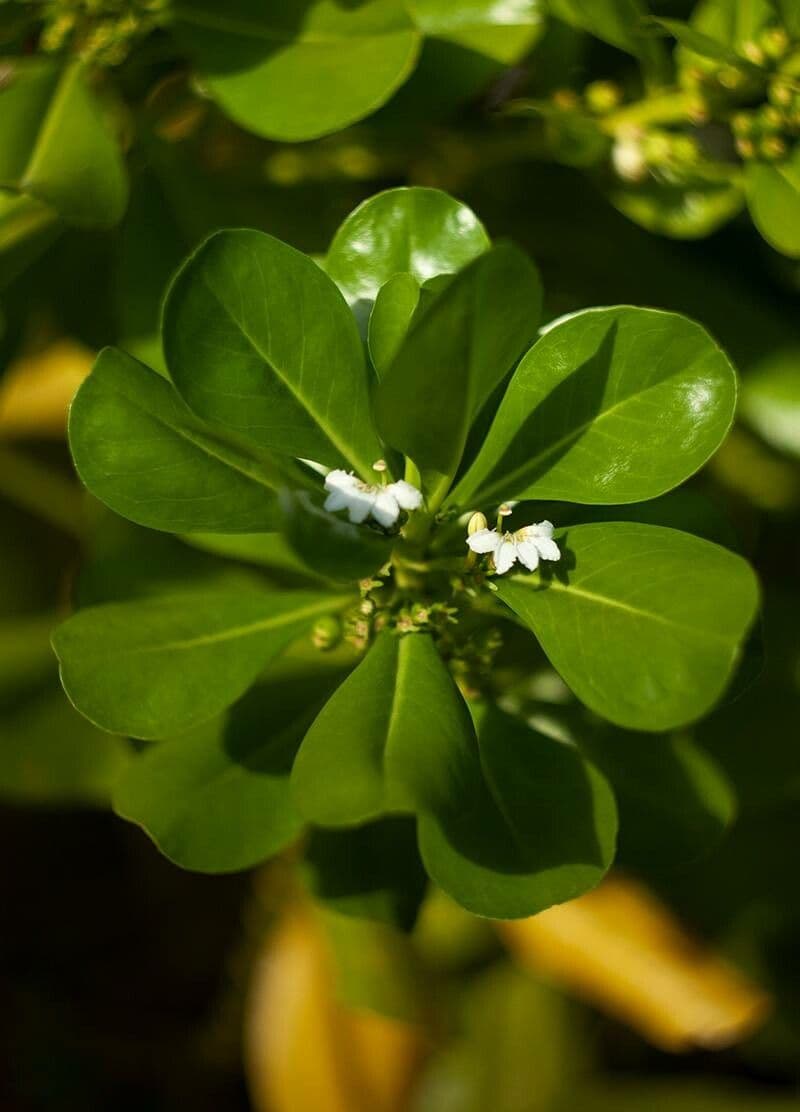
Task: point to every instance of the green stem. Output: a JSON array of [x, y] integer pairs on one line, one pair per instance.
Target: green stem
[[42, 491], [666, 108]]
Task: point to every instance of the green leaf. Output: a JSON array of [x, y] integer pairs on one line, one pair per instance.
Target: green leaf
[[390, 319], [416, 231], [682, 211], [393, 738], [500, 29], [645, 624], [773, 196], [332, 547], [268, 550], [708, 46], [622, 23], [731, 21], [55, 144], [218, 799], [370, 872], [258, 339], [142, 452], [674, 802], [49, 754], [156, 667], [501, 844], [458, 350], [609, 406], [770, 400], [301, 68]]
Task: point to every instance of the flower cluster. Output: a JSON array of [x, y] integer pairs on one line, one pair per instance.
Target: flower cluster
[[529, 545], [363, 500]]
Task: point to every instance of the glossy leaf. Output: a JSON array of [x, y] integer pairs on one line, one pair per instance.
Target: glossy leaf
[[217, 799], [393, 738], [56, 146], [390, 319], [609, 406], [257, 338], [301, 68], [142, 452], [645, 624], [773, 195], [502, 845], [416, 231], [457, 351], [370, 872], [501, 29], [156, 667], [329, 544]]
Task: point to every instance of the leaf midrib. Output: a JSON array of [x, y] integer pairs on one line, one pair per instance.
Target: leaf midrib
[[343, 449], [235, 632], [616, 604]]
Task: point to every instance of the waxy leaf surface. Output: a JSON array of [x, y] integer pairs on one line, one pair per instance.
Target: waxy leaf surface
[[258, 339], [609, 406], [142, 452], [458, 350], [155, 667], [417, 231], [645, 624], [393, 738], [299, 69]]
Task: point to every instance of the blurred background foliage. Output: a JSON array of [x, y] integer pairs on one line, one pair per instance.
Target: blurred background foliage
[[129, 129]]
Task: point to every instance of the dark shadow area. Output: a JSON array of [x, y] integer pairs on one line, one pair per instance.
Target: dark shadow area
[[530, 805]]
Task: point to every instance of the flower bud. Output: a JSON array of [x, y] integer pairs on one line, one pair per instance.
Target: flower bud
[[327, 633], [476, 523]]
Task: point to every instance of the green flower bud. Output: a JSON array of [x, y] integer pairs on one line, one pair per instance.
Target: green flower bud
[[603, 96], [327, 633]]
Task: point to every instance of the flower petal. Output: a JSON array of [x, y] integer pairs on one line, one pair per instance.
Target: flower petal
[[528, 553], [340, 480], [539, 529], [548, 549], [406, 495], [485, 540], [505, 556], [336, 500], [385, 509]]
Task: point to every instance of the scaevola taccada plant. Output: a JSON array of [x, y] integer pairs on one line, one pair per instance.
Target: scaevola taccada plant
[[391, 433]]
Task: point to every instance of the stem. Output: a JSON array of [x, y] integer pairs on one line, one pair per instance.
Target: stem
[[42, 491], [672, 107]]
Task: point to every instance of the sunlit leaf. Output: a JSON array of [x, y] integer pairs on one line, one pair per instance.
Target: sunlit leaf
[[258, 338], [609, 406], [645, 624], [301, 68]]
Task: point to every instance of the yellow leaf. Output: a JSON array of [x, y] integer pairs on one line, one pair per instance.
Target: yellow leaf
[[36, 390], [304, 1049], [620, 949]]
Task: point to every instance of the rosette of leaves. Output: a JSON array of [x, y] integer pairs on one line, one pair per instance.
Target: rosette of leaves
[[353, 685]]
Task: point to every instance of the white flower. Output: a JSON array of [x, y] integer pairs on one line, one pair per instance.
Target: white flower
[[528, 545], [628, 158], [360, 499]]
